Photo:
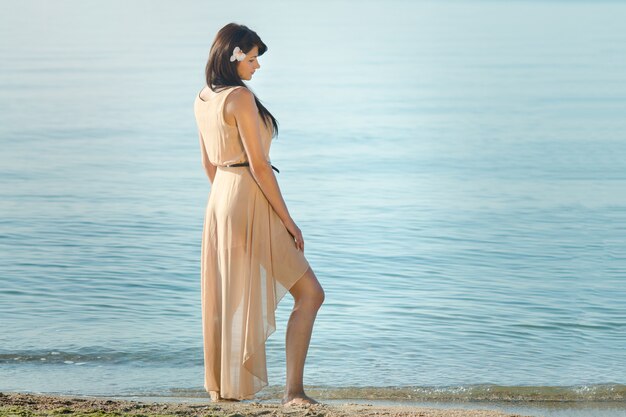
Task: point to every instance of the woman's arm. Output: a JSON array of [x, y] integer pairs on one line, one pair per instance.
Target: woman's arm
[[209, 168], [243, 107]]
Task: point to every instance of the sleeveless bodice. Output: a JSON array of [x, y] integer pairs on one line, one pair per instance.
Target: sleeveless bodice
[[222, 141]]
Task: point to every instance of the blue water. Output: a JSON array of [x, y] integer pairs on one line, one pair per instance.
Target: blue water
[[457, 168]]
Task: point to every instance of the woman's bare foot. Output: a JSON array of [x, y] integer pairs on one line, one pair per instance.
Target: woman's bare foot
[[300, 399], [215, 397]]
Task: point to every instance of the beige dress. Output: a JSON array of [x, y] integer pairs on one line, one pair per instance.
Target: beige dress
[[249, 259]]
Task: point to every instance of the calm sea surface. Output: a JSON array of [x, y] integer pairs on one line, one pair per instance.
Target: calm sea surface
[[458, 169]]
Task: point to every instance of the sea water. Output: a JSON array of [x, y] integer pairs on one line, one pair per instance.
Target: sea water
[[458, 170]]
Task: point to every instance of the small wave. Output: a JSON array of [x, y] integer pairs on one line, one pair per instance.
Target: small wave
[[99, 355], [482, 392]]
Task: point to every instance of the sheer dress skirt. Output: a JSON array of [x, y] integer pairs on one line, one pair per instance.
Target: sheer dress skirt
[[249, 261]]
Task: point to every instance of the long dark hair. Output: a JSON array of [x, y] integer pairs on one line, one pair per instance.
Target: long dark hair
[[221, 72]]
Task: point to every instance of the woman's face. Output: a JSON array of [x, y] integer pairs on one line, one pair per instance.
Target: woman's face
[[246, 68]]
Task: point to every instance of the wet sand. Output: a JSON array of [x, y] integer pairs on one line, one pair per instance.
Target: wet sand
[[30, 405]]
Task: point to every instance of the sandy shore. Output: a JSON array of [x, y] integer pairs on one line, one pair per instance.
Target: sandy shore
[[30, 405]]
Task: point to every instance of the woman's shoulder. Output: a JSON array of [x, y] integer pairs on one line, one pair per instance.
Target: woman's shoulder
[[239, 96], [238, 99], [239, 92]]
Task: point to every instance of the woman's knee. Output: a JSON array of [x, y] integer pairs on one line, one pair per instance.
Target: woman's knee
[[313, 299], [308, 291], [318, 298]]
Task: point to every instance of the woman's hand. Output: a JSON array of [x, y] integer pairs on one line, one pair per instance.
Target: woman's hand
[[295, 232]]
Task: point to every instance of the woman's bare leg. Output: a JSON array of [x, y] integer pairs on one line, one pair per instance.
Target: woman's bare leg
[[308, 297]]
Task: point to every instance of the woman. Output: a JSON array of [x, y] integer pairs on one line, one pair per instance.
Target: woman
[[252, 250]]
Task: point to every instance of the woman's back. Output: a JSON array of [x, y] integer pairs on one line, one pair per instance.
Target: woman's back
[[221, 140]]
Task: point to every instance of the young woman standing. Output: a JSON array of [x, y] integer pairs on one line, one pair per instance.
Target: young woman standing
[[252, 250]]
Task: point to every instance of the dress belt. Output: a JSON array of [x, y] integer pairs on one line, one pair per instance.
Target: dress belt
[[245, 164]]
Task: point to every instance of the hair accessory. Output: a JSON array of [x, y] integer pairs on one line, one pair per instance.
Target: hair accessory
[[238, 54]]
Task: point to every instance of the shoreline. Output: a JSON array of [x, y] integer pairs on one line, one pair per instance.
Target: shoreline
[[29, 405], [34, 404]]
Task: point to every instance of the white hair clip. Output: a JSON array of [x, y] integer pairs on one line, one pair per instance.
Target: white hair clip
[[238, 54]]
